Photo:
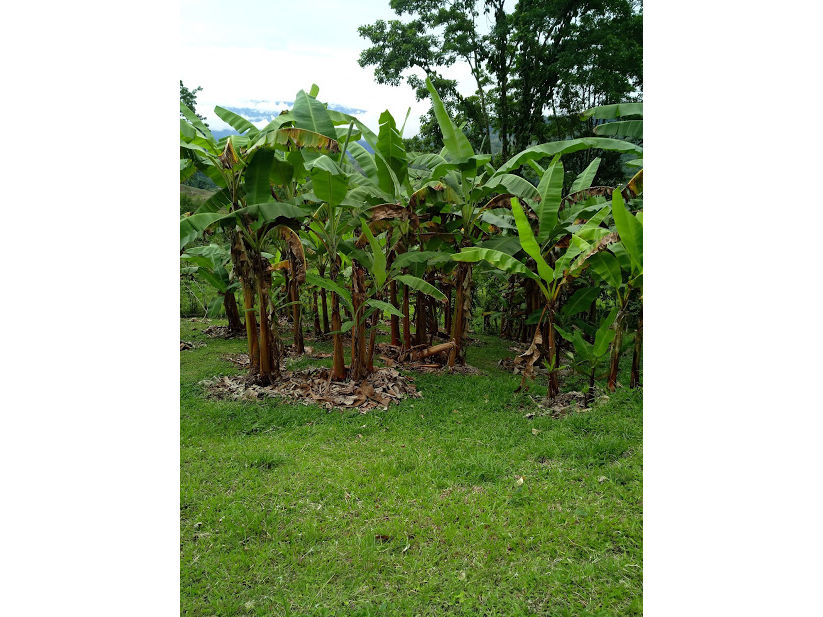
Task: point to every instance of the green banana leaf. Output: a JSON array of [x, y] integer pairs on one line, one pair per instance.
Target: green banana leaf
[[455, 142], [329, 285], [586, 177], [528, 242], [384, 306], [311, 114], [420, 285], [551, 194]]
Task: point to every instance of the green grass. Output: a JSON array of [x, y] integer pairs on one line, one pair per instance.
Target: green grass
[[292, 510]]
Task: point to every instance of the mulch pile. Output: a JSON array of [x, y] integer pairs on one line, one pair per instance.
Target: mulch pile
[[563, 404], [313, 386], [189, 345]]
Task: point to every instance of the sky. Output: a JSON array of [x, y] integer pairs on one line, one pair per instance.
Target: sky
[[257, 54]]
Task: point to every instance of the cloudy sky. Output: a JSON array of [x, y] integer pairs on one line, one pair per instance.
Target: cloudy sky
[[256, 55]]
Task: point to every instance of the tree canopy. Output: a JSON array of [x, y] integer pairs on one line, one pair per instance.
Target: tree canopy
[[535, 69]]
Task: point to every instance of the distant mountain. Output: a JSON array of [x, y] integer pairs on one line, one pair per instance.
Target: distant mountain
[[267, 115]]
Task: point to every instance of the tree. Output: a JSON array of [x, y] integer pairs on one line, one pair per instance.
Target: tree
[[535, 71], [189, 99], [438, 35]]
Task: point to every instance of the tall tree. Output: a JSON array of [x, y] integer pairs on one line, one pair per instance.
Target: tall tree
[[189, 99], [535, 70], [440, 34]]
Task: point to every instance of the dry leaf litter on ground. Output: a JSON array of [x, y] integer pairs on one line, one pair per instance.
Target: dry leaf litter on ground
[[313, 386]]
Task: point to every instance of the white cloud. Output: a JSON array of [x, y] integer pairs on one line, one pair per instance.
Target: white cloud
[[262, 78], [255, 53]]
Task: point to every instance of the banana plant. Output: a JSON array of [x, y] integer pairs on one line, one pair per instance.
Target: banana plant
[[211, 264], [588, 355], [480, 189], [330, 185], [629, 128], [258, 171], [384, 274], [629, 260], [381, 181], [587, 241]]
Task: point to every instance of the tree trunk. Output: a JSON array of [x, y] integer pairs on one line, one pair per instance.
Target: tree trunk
[[322, 270], [447, 311], [395, 321], [266, 359], [406, 322], [242, 268], [287, 292], [614, 361], [430, 351], [431, 318], [297, 309], [501, 69], [587, 397], [462, 306], [638, 348], [375, 321], [359, 353], [251, 329], [316, 324], [554, 384], [232, 312], [420, 320], [338, 370]]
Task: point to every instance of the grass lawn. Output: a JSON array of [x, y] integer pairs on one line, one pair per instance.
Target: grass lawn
[[293, 510]]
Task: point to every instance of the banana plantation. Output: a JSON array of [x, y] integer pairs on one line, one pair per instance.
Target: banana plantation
[[322, 224]]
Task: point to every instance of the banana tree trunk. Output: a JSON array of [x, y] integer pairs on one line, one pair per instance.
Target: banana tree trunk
[[232, 312], [325, 315], [287, 291], [359, 353], [406, 322], [251, 329], [316, 315], [617, 343], [554, 384], [297, 309], [420, 320], [614, 361], [338, 370], [375, 320], [508, 311], [587, 397], [242, 267], [395, 321], [432, 324], [430, 351], [638, 350], [462, 306], [266, 356], [447, 311]]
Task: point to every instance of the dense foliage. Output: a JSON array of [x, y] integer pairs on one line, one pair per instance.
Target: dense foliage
[[535, 68], [305, 209]]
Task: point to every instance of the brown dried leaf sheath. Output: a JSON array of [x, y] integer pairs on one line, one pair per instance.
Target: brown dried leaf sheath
[[296, 250]]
